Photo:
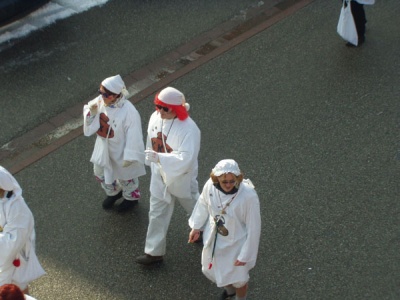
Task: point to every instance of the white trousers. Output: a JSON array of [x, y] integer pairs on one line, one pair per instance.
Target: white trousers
[[130, 188], [159, 218]]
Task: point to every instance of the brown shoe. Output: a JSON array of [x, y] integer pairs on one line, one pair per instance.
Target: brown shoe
[[148, 259]]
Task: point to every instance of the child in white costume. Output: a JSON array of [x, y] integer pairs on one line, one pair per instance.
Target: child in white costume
[[118, 155], [229, 211], [18, 261]]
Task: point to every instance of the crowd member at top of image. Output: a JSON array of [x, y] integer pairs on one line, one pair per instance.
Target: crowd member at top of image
[[357, 10], [17, 236], [173, 143], [118, 155], [229, 211], [13, 292]]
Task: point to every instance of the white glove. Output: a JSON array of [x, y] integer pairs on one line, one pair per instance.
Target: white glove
[[93, 108], [151, 155], [126, 163]]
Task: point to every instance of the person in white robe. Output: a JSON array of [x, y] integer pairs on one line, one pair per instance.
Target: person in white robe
[[173, 145], [19, 264], [228, 211], [118, 155]]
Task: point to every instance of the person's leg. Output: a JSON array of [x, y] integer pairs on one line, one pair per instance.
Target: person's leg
[[358, 13], [159, 218], [113, 191], [241, 292], [130, 192], [228, 293]]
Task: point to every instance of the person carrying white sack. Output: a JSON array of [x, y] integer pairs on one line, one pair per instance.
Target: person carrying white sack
[[173, 143], [19, 264], [358, 13], [118, 155], [229, 212]]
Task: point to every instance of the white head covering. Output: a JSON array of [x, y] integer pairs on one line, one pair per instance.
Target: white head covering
[[226, 166], [8, 182], [172, 96], [115, 84]]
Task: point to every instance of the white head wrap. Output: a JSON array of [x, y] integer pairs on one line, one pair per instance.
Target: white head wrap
[[8, 182], [226, 166], [172, 96], [115, 84]]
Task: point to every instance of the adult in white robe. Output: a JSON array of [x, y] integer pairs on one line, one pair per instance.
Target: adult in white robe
[[118, 155], [229, 212], [18, 261], [358, 12], [173, 143]]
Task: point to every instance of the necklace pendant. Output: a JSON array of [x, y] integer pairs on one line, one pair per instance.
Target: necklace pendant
[[223, 212]]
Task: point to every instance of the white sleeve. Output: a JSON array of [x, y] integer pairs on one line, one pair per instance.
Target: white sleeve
[[249, 250]]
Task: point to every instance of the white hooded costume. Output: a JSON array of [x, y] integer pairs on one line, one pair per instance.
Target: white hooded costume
[[18, 261], [241, 228], [177, 143], [119, 134]]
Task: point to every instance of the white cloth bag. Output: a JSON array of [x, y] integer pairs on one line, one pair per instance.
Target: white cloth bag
[[346, 27]]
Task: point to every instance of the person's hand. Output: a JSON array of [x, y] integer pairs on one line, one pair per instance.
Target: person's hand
[[194, 235], [126, 163], [151, 155], [93, 108], [239, 263]]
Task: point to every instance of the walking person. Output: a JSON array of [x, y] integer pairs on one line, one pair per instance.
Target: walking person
[[118, 155], [357, 10], [229, 211], [173, 140], [19, 264]]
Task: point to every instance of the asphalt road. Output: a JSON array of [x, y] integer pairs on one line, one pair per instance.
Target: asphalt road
[[61, 65], [312, 123]]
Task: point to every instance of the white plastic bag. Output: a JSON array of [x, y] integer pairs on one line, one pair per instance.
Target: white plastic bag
[[346, 27], [29, 269]]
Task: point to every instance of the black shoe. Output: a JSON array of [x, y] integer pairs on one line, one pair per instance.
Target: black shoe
[[127, 205], [110, 200], [225, 296], [361, 41], [148, 259], [348, 44]]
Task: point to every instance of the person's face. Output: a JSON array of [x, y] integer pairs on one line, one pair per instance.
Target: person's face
[[227, 182], [165, 112], [107, 98]]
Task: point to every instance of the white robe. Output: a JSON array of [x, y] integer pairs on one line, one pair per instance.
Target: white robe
[[124, 141], [176, 174], [243, 222], [17, 235]]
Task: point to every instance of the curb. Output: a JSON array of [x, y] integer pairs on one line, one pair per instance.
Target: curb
[[66, 126]]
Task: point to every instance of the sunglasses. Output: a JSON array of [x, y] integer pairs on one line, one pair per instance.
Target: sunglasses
[[166, 109], [105, 95], [230, 182]]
